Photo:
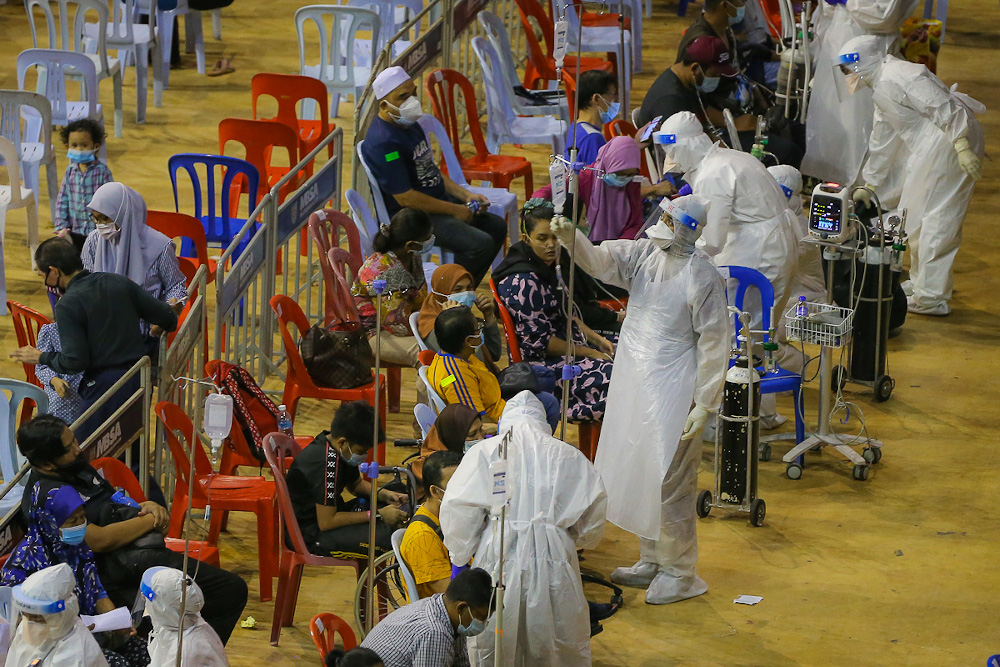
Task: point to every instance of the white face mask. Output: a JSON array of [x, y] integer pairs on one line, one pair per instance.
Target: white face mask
[[854, 82], [109, 231], [409, 112], [34, 633]]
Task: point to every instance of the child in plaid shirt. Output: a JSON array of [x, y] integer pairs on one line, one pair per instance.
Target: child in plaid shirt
[[83, 138]]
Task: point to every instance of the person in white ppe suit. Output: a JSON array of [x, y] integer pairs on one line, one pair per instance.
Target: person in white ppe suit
[[928, 135], [837, 126], [808, 281], [556, 506], [51, 630], [673, 352], [162, 587]]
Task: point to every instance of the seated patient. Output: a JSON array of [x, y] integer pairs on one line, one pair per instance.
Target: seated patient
[[457, 427], [422, 547]]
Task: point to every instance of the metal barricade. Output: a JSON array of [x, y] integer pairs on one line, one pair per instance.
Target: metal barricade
[[130, 422]]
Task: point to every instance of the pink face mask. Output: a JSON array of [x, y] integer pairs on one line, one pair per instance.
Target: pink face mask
[[109, 231]]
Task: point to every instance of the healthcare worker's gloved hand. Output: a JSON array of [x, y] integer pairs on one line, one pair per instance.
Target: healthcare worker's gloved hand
[[563, 229], [968, 160], [695, 422]]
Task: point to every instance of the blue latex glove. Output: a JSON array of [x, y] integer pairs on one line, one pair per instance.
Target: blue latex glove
[[456, 570]]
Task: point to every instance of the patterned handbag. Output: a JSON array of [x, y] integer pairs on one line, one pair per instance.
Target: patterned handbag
[[339, 357]]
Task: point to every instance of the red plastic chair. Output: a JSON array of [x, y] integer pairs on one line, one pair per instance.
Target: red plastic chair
[[279, 449], [224, 493], [259, 138], [119, 476], [187, 228], [325, 227], [589, 432], [595, 19], [541, 66], [27, 323], [298, 384], [500, 170], [324, 628], [289, 90]]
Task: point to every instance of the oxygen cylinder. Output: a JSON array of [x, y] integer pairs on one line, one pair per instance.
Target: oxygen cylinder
[[738, 433], [868, 351], [794, 69]]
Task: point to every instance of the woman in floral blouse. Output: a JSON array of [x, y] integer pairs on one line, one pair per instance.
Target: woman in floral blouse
[[400, 248]]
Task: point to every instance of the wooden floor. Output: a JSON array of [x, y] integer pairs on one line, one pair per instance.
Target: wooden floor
[[901, 569]]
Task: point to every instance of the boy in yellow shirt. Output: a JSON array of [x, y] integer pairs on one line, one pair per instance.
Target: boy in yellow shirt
[[456, 374]]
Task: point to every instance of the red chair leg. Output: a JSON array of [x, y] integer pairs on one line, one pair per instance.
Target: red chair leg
[[279, 600], [292, 596], [265, 548], [394, 377], [529, 185], [177, 509], [215, 526]]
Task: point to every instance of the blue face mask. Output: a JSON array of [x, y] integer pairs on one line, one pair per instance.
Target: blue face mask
[[475, 627], [80, 157], [611, 112], [466, 298], [354, 459], [73, 535], [616, 180], [427, 246], [740, 13], [710, 84]]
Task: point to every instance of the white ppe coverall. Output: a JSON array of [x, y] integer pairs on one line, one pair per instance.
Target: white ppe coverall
[[556, 506], [673, 350], [201, 646], [62, 639], [917, 122], [838, 125]]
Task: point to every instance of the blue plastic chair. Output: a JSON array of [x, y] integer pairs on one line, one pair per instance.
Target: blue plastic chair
[[780, 380], [11, 459], [220, 225]]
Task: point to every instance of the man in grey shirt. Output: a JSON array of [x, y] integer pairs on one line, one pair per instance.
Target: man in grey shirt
[[431, 632]]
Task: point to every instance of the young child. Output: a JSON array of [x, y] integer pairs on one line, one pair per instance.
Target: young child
[[82, 138], [62, 390]]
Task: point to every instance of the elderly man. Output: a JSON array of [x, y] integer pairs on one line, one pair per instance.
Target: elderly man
[[400, 159]]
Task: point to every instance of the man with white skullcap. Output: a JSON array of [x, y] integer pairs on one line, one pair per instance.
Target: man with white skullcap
[[398, 156], [674, 344]]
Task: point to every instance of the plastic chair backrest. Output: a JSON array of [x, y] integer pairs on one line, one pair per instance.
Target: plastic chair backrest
[[174, 419], [338, 28], [215, 214], [404, 569], [414, 320], [441, 85], [381, 213], [500, 111], [123, 14], [10, 458], [325, 226], [182, 225], [11, 104], [386, 11], [433, 128], [746, 278], [509, 332], [341, 262], [539, 54], [363, 220], [436, 399], [56, 63], [619, 127], [60, 23], [289, 313], [259, 138], [425, 416], [278, 447], [497, 34], [118, 475], [323, 626], [288, 90], [11, 158], [27, 323]]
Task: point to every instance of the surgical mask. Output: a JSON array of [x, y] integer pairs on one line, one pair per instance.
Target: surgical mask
[[109, 231], [475, 627], [854, 82], [73, 535], [740, 13], [469, 444], [355, 459], [611, 112], [80, 157], [482, 341], [427, 246], [616, 180], [710, 84], [409, 112], [466, 298]]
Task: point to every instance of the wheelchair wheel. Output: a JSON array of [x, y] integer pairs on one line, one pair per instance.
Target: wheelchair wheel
[[390, 590]]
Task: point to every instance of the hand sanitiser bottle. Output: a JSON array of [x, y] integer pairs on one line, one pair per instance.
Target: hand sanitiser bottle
[[218, 421]]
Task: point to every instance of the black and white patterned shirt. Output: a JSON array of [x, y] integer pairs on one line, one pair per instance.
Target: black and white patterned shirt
[[418, 635]]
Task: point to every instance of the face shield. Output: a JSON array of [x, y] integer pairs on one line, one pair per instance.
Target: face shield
[[856, 64], [687, 216], [47, 594], [160, 594]]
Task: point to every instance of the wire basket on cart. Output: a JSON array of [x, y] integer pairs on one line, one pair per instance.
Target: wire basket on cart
[[823, 324]]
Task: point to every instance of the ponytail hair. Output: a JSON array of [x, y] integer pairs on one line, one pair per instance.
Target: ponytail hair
[[408, 224]]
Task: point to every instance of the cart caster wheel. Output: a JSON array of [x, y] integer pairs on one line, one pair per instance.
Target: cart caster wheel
[[872, 454], [704, 503], [860, 473], [618, 600], [838, 378], [764, 452], [883, 388], [757, 512], [794, 471]]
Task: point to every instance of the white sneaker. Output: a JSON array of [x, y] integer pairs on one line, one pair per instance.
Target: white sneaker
[[939, 309], [639, 575], [666, 588], [769, 422]]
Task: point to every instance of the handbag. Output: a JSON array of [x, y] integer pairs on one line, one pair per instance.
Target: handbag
[[516, 378], [339, 357]]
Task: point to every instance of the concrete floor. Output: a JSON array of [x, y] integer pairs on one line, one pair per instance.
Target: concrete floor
[[900, 569]]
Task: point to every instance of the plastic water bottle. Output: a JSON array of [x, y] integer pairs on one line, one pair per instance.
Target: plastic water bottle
[[802, 310], [284, 421]]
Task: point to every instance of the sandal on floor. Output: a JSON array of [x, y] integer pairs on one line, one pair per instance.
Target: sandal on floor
[[221, 67]]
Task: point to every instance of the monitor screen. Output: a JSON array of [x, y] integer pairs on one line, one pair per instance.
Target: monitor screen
[[825, 214]]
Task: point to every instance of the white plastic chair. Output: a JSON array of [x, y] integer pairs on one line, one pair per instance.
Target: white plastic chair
[[194, 37], [447, 257], [12, 197], [18, 104], [497, 34], [392, 14], [436, 401], [11, 459], [414, 321], [605, 39], [408, 580], [339, 66], [425, 416], [363, 220], [55, 66], [502, 125], [105, 66]]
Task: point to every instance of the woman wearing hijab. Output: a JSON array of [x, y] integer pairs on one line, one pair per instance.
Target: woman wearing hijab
[[56, 529], [124, 244], [456, 425], [612, 199], [451, 285]]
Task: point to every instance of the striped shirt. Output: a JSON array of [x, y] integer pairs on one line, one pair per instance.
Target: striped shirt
[[468, 382], [75, 192], [418, 635]]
